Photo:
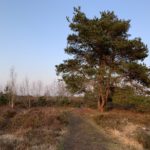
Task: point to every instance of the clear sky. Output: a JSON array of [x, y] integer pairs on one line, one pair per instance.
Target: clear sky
[[33, 32]]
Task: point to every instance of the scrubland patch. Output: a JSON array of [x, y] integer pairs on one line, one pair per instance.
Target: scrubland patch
[[33, 129], [129, 128]]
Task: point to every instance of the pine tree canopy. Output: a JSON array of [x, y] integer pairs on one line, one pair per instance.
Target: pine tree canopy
[[102, 54]]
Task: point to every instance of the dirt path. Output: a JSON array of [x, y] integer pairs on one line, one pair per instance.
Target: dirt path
[[82, 135]]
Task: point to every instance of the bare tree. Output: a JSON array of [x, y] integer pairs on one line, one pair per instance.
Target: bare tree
[[58, 88], [25, 90], [33, 88], [22, 89], [47, 91], [27, 87], [61, 89], [39, 88], [12, 86], [54, 88]]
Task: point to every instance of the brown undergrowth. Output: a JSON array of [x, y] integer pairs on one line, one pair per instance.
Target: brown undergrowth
[[44, 128], [130, 128], [36, 128]]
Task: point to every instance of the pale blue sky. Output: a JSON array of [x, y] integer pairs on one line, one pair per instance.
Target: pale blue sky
[[33, 32]]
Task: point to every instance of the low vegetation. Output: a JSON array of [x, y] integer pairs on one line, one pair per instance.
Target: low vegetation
[[130, 128], [37, 128], [105, 71]]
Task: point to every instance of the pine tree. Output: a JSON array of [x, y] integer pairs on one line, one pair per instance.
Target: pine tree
[[102, 55]]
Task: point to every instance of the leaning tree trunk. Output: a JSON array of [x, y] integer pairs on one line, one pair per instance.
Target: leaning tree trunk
[[101, 104]]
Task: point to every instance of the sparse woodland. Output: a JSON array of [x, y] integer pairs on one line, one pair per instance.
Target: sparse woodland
[[101, 100]]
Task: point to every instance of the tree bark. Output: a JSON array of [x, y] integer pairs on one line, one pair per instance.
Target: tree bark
[[104, 86], [101, 104], [102, 98], [101, 109]]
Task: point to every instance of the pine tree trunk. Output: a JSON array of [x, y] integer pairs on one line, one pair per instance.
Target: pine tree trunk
[[101, 109], [101, 105]]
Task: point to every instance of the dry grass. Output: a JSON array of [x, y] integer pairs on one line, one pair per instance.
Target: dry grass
[[124, 137], [129, 128], [34, 129], [42, 128]]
